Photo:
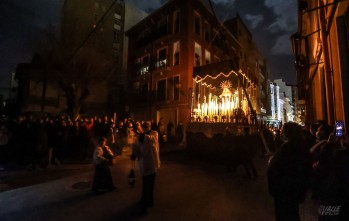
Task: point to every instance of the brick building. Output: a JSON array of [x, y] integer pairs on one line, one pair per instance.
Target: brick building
[[166, 48]]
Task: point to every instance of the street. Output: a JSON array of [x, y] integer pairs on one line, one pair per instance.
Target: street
[[186, 189]]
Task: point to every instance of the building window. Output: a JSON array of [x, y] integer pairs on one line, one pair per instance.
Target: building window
[[144, 65], [116, 59], [117, 26], [116, 36], [161, 90], [177, 86], [118, 21], [176, 50], [163, 26], [207, 32], [144, 91], [116, 46], [117, 15], [197, 24], [197, 52], [162, 58], [207, 57], [176, 21], [170, 87]]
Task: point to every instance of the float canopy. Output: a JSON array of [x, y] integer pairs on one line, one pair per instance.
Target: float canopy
[[212, 75]]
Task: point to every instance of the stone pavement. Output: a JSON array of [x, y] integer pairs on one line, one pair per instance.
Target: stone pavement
[[186, 189]]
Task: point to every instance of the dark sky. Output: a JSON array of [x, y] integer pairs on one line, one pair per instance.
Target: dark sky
[[23, 24], [22, 27]]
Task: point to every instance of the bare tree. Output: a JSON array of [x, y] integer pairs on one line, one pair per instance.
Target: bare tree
[[71, 68], [74, 75]]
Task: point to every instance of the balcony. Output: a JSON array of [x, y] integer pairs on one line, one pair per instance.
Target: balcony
[[150, 37]]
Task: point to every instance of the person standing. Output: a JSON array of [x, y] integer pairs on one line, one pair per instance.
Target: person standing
[[146, 151], [102, 158], [289, 174]]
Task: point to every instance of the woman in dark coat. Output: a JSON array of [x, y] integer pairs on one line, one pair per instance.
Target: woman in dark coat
[[288, 174], [102, 158]]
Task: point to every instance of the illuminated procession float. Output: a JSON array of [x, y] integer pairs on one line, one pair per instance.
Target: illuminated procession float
[[222, 97], [222, 112]]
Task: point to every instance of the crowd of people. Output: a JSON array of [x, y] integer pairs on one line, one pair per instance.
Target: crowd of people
[[41, 141], [304, 159], [309, 160]]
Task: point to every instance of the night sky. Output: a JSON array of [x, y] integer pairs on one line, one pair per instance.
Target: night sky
[[23, 24]]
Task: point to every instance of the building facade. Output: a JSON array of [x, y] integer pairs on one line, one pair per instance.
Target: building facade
[[98, 24], [86, 26], [282, 103], [322, 59], [288, 93], [274, 110]]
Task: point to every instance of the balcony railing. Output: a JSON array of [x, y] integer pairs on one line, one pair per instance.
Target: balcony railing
[[159, 63], [150, 37]]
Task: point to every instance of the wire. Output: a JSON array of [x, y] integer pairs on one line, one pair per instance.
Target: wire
[[221, 23], [93, 30]]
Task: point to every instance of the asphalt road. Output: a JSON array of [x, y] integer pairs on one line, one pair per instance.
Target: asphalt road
[[186, 189]]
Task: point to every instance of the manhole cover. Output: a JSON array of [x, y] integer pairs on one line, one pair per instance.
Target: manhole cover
[[81, 185]]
